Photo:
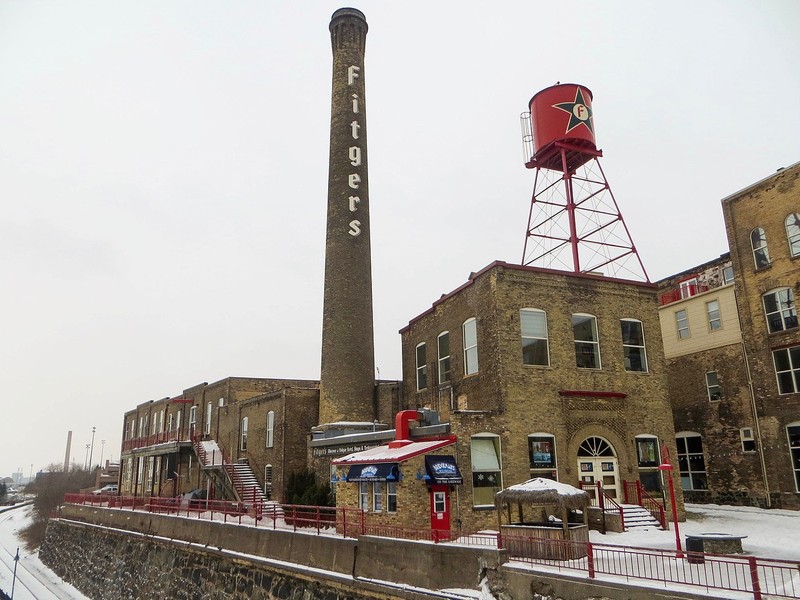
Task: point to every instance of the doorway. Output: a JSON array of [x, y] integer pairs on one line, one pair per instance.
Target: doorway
[[440, 512], [597, 461]]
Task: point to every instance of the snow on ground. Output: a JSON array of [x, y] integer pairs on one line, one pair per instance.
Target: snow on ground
[[770, 533], [34, 580]]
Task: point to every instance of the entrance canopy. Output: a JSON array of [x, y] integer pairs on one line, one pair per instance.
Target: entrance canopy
[[373, 472], [442, 469]]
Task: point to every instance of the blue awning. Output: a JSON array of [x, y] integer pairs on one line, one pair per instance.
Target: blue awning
[[376, 472], [442, 469]]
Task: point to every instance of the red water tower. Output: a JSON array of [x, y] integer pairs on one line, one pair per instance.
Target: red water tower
[[574, 223]]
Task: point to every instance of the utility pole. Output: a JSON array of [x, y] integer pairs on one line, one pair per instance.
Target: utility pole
[[91, 452]]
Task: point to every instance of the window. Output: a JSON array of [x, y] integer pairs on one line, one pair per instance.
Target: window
[[391, 496], [207, 429], [268, 481], [443, 352], [688, 287], [243, 435], [758, 241], [647, 450], [682, 321], [727, 275], [178, 420], [691, 461], [270, 428], [712, 385], [587, 343], [154, 425], [170, 418], [377, 496], [793, 233], [363, 495], [221, 402], [787, 369], [542, 451], [470, 334], [648, 457], [533, 329], [780, 310], [714, 318], [486, 472], [422, 367], [633, 352], [748, 439], [793, 433]]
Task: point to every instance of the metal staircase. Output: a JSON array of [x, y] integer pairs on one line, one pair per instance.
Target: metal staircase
[[234, 479]]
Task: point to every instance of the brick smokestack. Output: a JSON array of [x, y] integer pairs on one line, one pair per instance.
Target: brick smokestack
[[347, 379]]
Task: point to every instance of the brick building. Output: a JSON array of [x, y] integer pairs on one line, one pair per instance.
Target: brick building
[[543, 373], [733, 350]]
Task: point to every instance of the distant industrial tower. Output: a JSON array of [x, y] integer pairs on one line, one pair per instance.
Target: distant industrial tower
[[574, 223], [347, 379]]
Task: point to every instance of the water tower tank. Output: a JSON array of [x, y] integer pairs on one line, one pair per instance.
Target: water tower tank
[[562, 113]]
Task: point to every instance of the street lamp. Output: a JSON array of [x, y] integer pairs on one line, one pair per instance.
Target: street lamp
[[102, 449], [91, 452], [666, 465]]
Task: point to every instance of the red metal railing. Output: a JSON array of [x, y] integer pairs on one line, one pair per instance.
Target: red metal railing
[[155, 439], [634, 493], [686, 291], [606, 503], [744, 574]]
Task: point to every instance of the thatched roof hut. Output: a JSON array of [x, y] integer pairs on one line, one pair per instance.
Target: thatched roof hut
[[542, 493]]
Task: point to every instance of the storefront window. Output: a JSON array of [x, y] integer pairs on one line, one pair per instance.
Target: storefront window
[[486, 470]]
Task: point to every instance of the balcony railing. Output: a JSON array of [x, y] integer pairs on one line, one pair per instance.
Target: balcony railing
[[182, 435], [686, 291]]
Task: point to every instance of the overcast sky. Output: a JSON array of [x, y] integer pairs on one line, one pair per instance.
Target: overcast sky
[[163, 174]]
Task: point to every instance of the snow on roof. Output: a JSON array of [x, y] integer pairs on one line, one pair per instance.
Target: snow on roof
[[383, 454], [539, 485]]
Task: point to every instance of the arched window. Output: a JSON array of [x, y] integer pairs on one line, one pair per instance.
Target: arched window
[[758, 241], [443, 353], [587, 341], [207, 424], [533, 330], [422, 366], [469, 332], [793, 233], [270, 428], [243, 435], [691, 460], [780, 310]]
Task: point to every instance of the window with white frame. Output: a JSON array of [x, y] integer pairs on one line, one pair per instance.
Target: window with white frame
[[533, 331], [270, 429], [542, 451], [714, 316], [633, 351], [688, 287], [207, 424], [443, 354], [793, 435], [391, 496], [793, 233], [154, 425], [363, 495], [377, 496], [243, 434], [587, 341], [178, 419], [170, 422], [727, 275], [469, 332], [712, 386], [758, 242], [787, 369], [691, 461], [487, 477], [422, 366], [748, 439], [268, 481], [682, 323], [780, 309]]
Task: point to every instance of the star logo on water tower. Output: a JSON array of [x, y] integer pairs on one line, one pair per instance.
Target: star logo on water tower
[[579, 113]]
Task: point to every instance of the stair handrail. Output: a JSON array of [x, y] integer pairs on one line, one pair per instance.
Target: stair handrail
[[603, 497], [646, 500]]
